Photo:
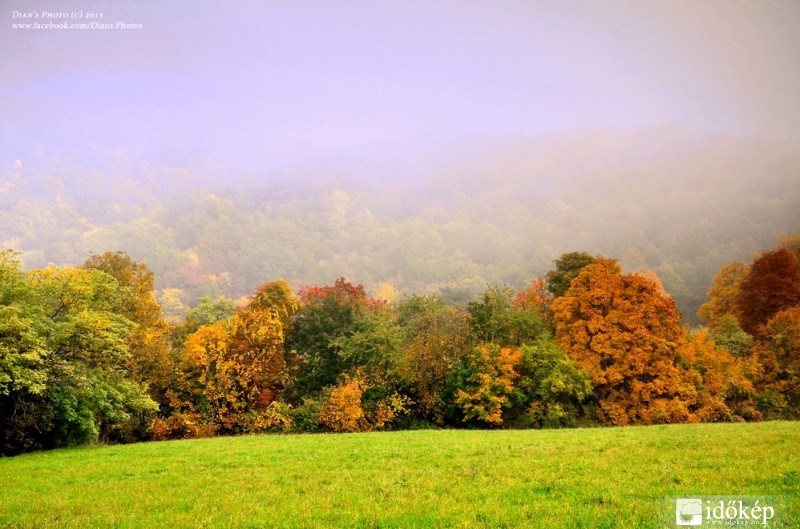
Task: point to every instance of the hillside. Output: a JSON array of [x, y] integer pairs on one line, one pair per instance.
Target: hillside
[[495, 211]]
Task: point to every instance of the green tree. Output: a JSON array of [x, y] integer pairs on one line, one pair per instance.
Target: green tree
[[64, 352], [22, 354], [496, 318], [436, 343], [149, 361], [568, 266], [327, 315], [551, 389], [729, 335], [207, 312], [374, 345]]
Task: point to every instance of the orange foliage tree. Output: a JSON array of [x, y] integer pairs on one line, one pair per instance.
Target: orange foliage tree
[[623, 333], [724, 391], [536, 298]]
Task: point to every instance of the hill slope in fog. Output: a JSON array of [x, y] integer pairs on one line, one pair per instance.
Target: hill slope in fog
[[497, 210]]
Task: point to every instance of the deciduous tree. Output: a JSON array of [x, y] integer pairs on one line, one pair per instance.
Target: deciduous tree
[[771, 285], [568, 266], [436, 341], [623, 333], [326, 315], [722, 293], [490, 376], [779, 354], [551, 388]]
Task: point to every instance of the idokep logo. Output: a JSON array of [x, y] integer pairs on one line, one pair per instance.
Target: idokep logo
[[689, 511], [729, 510]]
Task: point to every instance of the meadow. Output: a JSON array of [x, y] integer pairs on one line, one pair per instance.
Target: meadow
[[600, 477]]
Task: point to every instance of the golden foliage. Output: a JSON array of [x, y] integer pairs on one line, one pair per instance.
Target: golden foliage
[[342, 412], [491, 381]]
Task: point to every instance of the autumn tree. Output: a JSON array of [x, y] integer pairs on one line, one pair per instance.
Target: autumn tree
[[342, 411], [790, 242], [623, 334], [436, 341], [535, 298], [722, 293], [276, 296], [771, 285], [234, 369], [723, 391], [779, 354], [489, 381], [326, 315]]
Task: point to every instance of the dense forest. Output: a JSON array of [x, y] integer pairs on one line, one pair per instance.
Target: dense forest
[[450, 222], [87, 355]]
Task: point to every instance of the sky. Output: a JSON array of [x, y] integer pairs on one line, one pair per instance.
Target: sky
[[260, 85]]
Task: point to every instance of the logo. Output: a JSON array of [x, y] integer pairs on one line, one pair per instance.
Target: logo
[[726, 510], [689, 511]]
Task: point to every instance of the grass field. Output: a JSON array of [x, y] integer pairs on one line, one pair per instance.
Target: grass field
[[611, 477]]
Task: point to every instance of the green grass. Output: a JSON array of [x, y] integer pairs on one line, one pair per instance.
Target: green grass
[[610, 477]]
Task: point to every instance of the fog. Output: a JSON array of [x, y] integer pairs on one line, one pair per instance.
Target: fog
[[434, 147]]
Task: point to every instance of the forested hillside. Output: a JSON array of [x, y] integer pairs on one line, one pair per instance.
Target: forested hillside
[[498, 211], [86, 354]]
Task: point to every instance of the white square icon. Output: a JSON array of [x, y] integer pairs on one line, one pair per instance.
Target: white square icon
[[689, 512]]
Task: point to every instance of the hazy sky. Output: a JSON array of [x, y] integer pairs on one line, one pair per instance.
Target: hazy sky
[[263, 84]]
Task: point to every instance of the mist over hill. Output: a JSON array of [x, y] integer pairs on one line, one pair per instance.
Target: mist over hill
[[492, 210]]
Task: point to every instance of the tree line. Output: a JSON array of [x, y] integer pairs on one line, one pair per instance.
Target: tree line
[[87, 356]]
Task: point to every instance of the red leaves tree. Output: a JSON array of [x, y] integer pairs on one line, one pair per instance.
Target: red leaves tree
[[771, 285], [623, 332]]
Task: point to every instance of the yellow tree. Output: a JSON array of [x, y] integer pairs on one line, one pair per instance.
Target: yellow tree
[[232, 371], [722, 293], [492, 372], [342, 411]]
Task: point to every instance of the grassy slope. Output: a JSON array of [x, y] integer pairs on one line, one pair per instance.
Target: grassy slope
[[616, 477]]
